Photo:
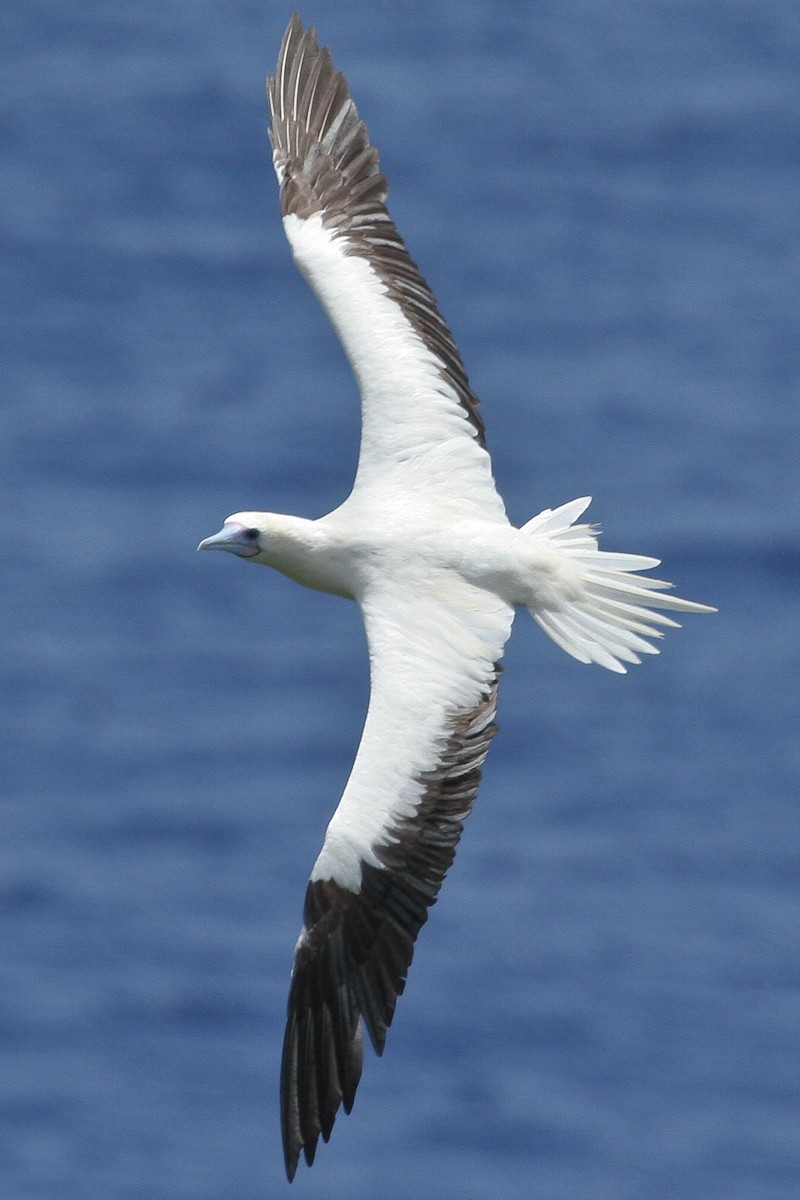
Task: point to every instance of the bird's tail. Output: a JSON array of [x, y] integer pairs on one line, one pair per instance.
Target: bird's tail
[[605, 612]]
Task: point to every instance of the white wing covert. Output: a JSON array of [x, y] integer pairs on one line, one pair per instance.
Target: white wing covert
[[419, 414], [434, 676]]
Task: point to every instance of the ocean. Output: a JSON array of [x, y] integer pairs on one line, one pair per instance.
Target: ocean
[[605, 1003]]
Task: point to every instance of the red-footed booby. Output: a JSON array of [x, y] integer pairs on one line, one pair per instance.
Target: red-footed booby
[[425, 548]]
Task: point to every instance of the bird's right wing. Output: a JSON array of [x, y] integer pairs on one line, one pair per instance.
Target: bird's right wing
[[434, 673]]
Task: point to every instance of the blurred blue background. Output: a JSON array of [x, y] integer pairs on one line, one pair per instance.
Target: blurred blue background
[[605, 1002]]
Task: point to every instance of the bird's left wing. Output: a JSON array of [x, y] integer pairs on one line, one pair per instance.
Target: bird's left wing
[[419, 415], [433, 685]]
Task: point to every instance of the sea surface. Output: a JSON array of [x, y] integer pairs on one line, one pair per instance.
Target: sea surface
[[605, 1004]]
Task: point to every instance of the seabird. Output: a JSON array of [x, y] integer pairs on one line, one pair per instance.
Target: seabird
[[425, 548]]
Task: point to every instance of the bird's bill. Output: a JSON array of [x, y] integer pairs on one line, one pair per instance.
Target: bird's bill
[[231, 537]]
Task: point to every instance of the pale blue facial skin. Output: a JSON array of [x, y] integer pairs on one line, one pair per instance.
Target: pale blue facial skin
[[235, 538]]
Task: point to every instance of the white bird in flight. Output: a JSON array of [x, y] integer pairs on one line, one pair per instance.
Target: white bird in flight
[[425, 548]]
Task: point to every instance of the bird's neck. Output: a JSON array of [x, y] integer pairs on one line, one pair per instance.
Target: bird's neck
[[303, 550]]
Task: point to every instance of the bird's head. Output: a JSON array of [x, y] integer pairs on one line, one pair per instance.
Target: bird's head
[[243, 534]]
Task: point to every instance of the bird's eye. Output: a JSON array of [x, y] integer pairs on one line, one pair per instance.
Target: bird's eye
[[251, 535]]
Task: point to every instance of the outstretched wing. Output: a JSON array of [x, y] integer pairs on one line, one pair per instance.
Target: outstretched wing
[[434, 675], [418, 410]]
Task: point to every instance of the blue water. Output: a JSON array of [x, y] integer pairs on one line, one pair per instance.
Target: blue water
[[605, 1005]]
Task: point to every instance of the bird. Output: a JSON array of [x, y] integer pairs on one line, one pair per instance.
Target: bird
[[424, 546]]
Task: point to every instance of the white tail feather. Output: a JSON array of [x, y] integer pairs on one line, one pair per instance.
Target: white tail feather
[[607, 613]]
